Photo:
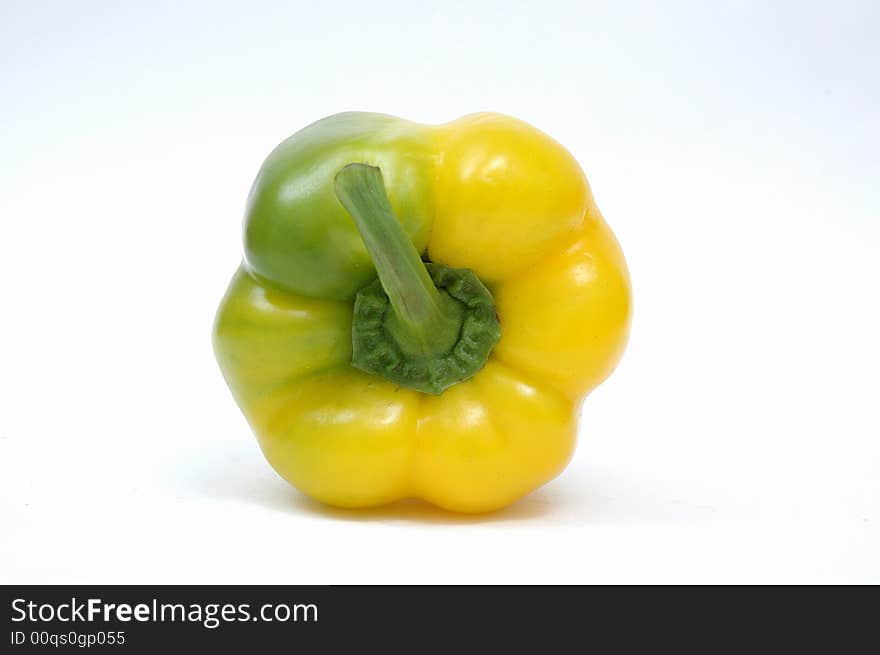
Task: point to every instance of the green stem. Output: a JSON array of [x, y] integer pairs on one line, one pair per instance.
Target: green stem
[[425, 321]]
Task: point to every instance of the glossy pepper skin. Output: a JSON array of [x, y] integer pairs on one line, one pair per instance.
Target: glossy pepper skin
[[486, 192]]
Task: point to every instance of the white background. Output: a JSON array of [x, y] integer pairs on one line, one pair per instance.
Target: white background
[[732, 146]]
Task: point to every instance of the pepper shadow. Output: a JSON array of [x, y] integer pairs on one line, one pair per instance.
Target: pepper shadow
[[419, 511], [239, 474]]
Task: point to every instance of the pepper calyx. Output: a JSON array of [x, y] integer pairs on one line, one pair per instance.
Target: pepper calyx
[[421, 325]]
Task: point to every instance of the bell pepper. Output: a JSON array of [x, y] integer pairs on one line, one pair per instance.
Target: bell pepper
[[421, 310]]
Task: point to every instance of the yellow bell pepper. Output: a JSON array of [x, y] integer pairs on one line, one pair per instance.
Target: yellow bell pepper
[[502, 299]]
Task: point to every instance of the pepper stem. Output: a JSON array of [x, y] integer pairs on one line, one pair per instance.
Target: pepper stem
[[425, 321]]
